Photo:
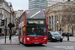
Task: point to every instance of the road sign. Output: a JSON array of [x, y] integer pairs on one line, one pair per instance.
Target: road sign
[[48, 27], [8, 34]]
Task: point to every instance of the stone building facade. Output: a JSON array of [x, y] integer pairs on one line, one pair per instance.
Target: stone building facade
[[4, 13], [57, 16]]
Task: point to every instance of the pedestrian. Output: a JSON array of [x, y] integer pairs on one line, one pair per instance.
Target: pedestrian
[[67, 36], [63, 34]]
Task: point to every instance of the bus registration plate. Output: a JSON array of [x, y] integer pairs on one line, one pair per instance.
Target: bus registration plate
[[36, 43]]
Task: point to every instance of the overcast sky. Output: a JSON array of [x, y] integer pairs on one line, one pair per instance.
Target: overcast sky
[[21, 4]]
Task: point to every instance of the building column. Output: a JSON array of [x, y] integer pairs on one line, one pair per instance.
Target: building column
[[57, 23], [51, 22], [54, 22], [48, 20]]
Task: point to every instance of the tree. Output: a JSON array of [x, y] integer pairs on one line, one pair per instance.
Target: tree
[[69, 17]]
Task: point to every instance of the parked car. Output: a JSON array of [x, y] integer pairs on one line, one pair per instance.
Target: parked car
[[1, 34], [70, 34], [54, 36], [66, 34]]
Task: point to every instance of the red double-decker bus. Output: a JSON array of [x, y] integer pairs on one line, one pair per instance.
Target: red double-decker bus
[[33, 27]]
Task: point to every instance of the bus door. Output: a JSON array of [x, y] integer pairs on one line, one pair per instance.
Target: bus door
[[24, 29], [21, 34]]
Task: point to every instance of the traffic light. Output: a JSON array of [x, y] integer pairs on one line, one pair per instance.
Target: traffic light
[[10, 25], [2, 22]]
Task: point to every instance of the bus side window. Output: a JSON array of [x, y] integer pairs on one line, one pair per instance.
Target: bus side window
[[20, 31], [24, 32]]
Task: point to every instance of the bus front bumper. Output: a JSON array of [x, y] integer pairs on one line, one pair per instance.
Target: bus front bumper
[[36, 41]]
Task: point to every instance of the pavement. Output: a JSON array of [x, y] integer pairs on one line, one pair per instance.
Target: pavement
[[71, 39], [14, 40]]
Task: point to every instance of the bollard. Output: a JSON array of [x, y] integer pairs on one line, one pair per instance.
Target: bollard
[[67, 36]]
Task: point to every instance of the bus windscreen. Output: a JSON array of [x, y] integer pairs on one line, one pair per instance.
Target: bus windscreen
[[36, 31], [35, 14]]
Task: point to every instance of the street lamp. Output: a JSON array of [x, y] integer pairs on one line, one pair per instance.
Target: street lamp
[[57, 24], [57, 21], [10, 5]]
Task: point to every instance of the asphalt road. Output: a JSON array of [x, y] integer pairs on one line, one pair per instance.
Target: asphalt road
[[48, 46]]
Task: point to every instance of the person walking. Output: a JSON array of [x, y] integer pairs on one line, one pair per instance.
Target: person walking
[[63, 34]]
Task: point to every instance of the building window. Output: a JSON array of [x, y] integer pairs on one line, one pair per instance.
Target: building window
[[33, 0], [36, 6], [0, 17], [0, 12], [38, 0]]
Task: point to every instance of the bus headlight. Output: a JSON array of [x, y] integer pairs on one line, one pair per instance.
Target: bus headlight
[[28, 39], [45, 38]]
